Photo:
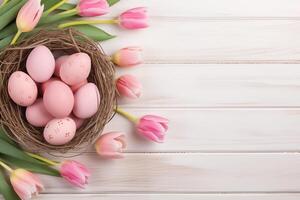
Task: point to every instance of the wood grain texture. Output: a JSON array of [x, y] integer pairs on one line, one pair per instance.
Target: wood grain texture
[[214, 8], [215, 85], [217, 41], [217, 130], [188, 173], [234, 129], [171, 196]]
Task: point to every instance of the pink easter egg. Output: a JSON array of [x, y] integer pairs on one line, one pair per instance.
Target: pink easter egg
[[37, 115], [60, 131], [40, 64], [79, 85], [22, 89], [47, 83], [75, 69], [58, 99], [87, 101], [59, 61]]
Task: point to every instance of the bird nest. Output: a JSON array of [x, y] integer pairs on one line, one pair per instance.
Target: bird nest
[[69, 41]]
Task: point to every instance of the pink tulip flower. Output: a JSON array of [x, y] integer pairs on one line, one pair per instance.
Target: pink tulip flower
[[128, 57], [25, 184], [135, 18], [92, 8], [75, 173], [111, 145], [129, 86], [153, 127], [29, 15]]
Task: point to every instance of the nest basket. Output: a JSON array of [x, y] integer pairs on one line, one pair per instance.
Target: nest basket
[[68, 41]]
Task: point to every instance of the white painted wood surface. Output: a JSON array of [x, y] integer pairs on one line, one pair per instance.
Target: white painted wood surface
[[172, 196], [189, 173], [227, 75]]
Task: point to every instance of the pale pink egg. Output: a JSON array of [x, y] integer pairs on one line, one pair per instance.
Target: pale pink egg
[[75, 69], [37, 115], [47, 83], [87, 101], [22, 89], [59, 61], [40, 64], [79, 85], [60, 131], [77, 121], [58, 99]]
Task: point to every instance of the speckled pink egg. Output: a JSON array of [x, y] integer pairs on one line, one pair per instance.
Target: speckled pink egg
[[60, 131], [59, 61], [58, 99], [37, 115], [22, 89], [47, 83], [74, 88], [87, 101], [77, 121], [40, 64], [75, 69]]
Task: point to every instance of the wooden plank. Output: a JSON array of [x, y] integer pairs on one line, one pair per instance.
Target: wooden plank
[[215, 85], [188, 173], [218, 41], [218, 130], [214, 8], [170, 196]]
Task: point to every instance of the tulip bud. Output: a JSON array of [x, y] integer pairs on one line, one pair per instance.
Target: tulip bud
[[135, 18], [128, 57], [111, 145], [25, 183], [75, 173], [153, 127], [29, 15], [129, 86], [92, 8]]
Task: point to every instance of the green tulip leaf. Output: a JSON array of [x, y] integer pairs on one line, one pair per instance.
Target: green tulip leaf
[[13, 151], [67, 6], [33, 167], [5, 42], [94, 32], [10, 14], [6, 189], [112, 2], [49, 3], [8, 6], [8, 30]]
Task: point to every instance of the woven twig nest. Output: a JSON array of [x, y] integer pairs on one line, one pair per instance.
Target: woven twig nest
[[102, 74]]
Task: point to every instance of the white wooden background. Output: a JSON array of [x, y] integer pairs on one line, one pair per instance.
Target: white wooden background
[[227, 75]]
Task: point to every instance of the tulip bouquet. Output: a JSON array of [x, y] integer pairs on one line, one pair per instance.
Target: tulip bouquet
[[20, 18]]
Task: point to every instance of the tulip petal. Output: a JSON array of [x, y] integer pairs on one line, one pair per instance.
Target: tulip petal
[[151, 136], [111, 145], [156, 118]]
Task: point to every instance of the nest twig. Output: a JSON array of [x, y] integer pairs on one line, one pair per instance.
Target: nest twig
[[69, 41]]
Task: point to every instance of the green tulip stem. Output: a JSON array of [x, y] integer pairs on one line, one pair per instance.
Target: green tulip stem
[[81, 22], [5, 166], [47, 12], [16, 37], [73, 11], [127, 115], [43, 159]]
